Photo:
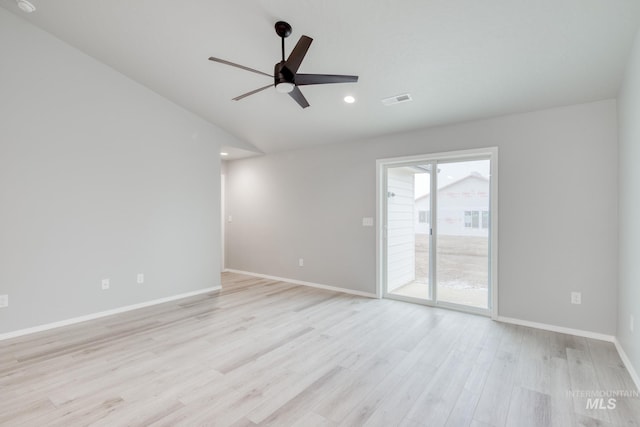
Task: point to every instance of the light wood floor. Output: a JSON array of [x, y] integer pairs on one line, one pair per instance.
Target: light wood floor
[[262, 352]]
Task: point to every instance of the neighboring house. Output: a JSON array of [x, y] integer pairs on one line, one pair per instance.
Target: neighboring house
[[463, 208]]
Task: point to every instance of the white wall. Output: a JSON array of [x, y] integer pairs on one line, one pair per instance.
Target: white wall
[[310, 203], [99, 177], [629, 193]]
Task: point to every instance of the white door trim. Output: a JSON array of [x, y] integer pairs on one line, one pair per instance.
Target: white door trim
[[223, 212]]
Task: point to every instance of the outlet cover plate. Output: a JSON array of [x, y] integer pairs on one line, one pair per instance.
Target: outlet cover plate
[[576, 298]]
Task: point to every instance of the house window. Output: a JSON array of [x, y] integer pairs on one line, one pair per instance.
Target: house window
[[423, 217], [476, 219], [485, 219]]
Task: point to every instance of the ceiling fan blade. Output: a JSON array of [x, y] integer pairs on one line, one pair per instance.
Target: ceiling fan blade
[[297, 54], [238, 98], [299, 97], [320, 79], [222, 61]]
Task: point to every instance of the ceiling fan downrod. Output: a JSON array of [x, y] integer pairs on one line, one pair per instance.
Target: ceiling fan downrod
[[283, 29]]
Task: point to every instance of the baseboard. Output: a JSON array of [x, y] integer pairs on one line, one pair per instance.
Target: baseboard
[[627, 363], [303, 283], [560, 329], [46, 327]]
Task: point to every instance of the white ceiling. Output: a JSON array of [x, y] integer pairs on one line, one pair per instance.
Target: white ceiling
[[459, 59]]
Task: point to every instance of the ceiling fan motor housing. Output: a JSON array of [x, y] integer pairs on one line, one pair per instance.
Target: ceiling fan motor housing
[[281, 74]]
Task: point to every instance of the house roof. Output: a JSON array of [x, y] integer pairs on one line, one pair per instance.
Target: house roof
[[473, 175]]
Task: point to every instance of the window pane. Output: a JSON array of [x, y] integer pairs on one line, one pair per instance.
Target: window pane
[[485, 219], [467, 219]]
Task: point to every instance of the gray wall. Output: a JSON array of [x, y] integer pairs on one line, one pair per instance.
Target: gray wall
[[629, 193], [557, 210], [99, 177]]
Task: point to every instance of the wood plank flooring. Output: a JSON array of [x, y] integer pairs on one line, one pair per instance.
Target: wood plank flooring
[[262, 352]]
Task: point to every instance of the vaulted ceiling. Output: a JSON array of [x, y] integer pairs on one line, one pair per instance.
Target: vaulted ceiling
[[459, 59]]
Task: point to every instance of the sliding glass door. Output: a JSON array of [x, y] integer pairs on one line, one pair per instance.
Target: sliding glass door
[[436, 231]]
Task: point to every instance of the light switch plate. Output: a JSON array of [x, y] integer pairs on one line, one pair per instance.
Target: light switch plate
[[367, 221], [4, 301]]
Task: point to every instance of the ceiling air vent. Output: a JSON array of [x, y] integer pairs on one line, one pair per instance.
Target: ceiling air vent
[[405, 97]]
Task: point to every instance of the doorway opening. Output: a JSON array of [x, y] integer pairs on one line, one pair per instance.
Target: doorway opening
[[437, 240]]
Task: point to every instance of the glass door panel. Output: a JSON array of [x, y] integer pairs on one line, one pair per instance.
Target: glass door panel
[[463, 212], [408, 231]]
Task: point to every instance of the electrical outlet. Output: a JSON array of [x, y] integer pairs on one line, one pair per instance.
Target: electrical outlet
[[301, 262], [631, 321], [105, 284], [229, 218], [140, 278], [576, 298], [4, 301]]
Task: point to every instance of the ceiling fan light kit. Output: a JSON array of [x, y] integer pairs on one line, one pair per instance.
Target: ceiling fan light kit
[[285, 87], [285, 75]]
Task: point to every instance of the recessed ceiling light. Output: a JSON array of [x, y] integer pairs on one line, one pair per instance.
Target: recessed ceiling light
[[222, 153], [349, 99], [25, 6]]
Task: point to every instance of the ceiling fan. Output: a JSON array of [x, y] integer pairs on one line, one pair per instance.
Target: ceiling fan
[[285, 75]]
